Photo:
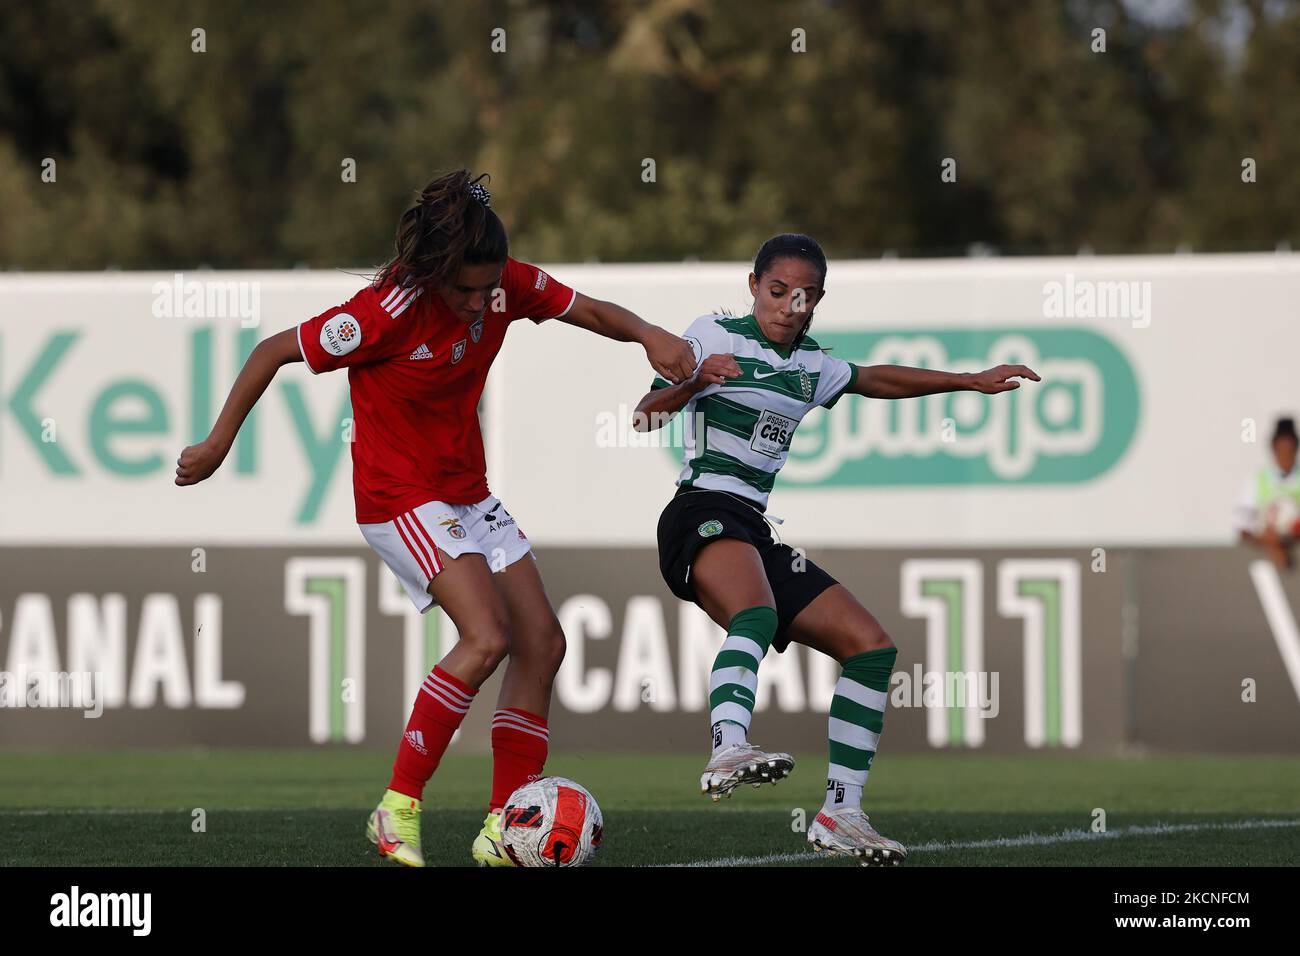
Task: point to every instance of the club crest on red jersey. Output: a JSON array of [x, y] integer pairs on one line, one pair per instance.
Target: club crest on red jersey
[[458, 351], [476, 330]]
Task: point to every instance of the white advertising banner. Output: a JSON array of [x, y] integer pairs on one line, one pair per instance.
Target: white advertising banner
[[1161, 379]]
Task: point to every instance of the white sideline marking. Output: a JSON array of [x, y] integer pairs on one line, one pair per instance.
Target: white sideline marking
[[1028, 839], [1280, 619]]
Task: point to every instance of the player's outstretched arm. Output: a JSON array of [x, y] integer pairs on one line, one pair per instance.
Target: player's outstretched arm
[[658, 406], [668, 354], [901, 381], [199, 461]]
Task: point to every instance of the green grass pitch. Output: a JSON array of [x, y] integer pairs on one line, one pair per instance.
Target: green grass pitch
[[309, 807]]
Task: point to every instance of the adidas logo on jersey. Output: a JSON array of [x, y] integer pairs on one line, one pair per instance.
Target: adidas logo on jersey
[[416, 739], [421, 353]]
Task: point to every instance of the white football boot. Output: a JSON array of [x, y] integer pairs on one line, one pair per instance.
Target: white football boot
[[848, 832], [743, 763]]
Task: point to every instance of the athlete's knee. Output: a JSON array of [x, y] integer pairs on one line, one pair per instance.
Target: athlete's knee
[[542, 649], [553, 647], [879, 639], [866, 639], [488, 640]]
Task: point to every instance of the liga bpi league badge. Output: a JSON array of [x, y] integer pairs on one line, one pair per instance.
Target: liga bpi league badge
[[476, 331], [457, 351]]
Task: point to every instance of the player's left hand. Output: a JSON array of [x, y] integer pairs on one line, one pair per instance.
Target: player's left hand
[[998, 379], [670, 356]]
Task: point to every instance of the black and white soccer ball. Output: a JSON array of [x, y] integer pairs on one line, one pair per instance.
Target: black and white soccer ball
[[551, 822]]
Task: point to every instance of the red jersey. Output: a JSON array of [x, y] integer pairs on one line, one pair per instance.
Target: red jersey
[[417, 371]]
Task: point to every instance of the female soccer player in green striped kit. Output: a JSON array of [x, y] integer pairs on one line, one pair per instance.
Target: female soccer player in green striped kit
[[756, 378]]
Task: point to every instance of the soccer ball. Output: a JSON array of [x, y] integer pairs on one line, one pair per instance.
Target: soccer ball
[[551, 822]]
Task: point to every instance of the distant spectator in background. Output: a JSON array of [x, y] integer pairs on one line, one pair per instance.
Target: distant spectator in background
[[1268, 515]]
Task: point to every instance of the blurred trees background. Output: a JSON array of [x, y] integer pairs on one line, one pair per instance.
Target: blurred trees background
[[169, 158]]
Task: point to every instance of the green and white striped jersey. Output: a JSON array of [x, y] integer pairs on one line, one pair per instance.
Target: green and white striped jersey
[[737, 434]]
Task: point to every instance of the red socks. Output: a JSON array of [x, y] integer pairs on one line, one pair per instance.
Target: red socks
[[440, 706], [519, 745], [519, 740]]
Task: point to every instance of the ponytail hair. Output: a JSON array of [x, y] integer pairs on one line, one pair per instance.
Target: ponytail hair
[[450, 226]]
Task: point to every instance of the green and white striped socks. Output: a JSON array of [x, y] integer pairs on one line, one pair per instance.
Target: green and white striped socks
[[857, 715], [735, 674]]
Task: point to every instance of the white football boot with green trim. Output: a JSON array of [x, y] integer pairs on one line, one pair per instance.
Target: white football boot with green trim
[[742, 763], [394, 827], [848, 832]]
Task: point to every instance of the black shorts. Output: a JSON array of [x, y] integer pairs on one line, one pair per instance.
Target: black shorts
[[693, 519]]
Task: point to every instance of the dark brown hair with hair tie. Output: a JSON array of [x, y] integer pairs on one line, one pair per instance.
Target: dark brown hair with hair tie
[[449, 227]]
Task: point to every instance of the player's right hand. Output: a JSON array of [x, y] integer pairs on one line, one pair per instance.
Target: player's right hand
[[198, 462], [714, 370]]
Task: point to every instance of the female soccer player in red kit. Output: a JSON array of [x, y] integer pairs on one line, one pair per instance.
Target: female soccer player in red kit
[[417, 344]]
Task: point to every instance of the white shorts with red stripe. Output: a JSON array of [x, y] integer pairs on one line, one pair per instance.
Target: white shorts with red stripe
[[407, 543]]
